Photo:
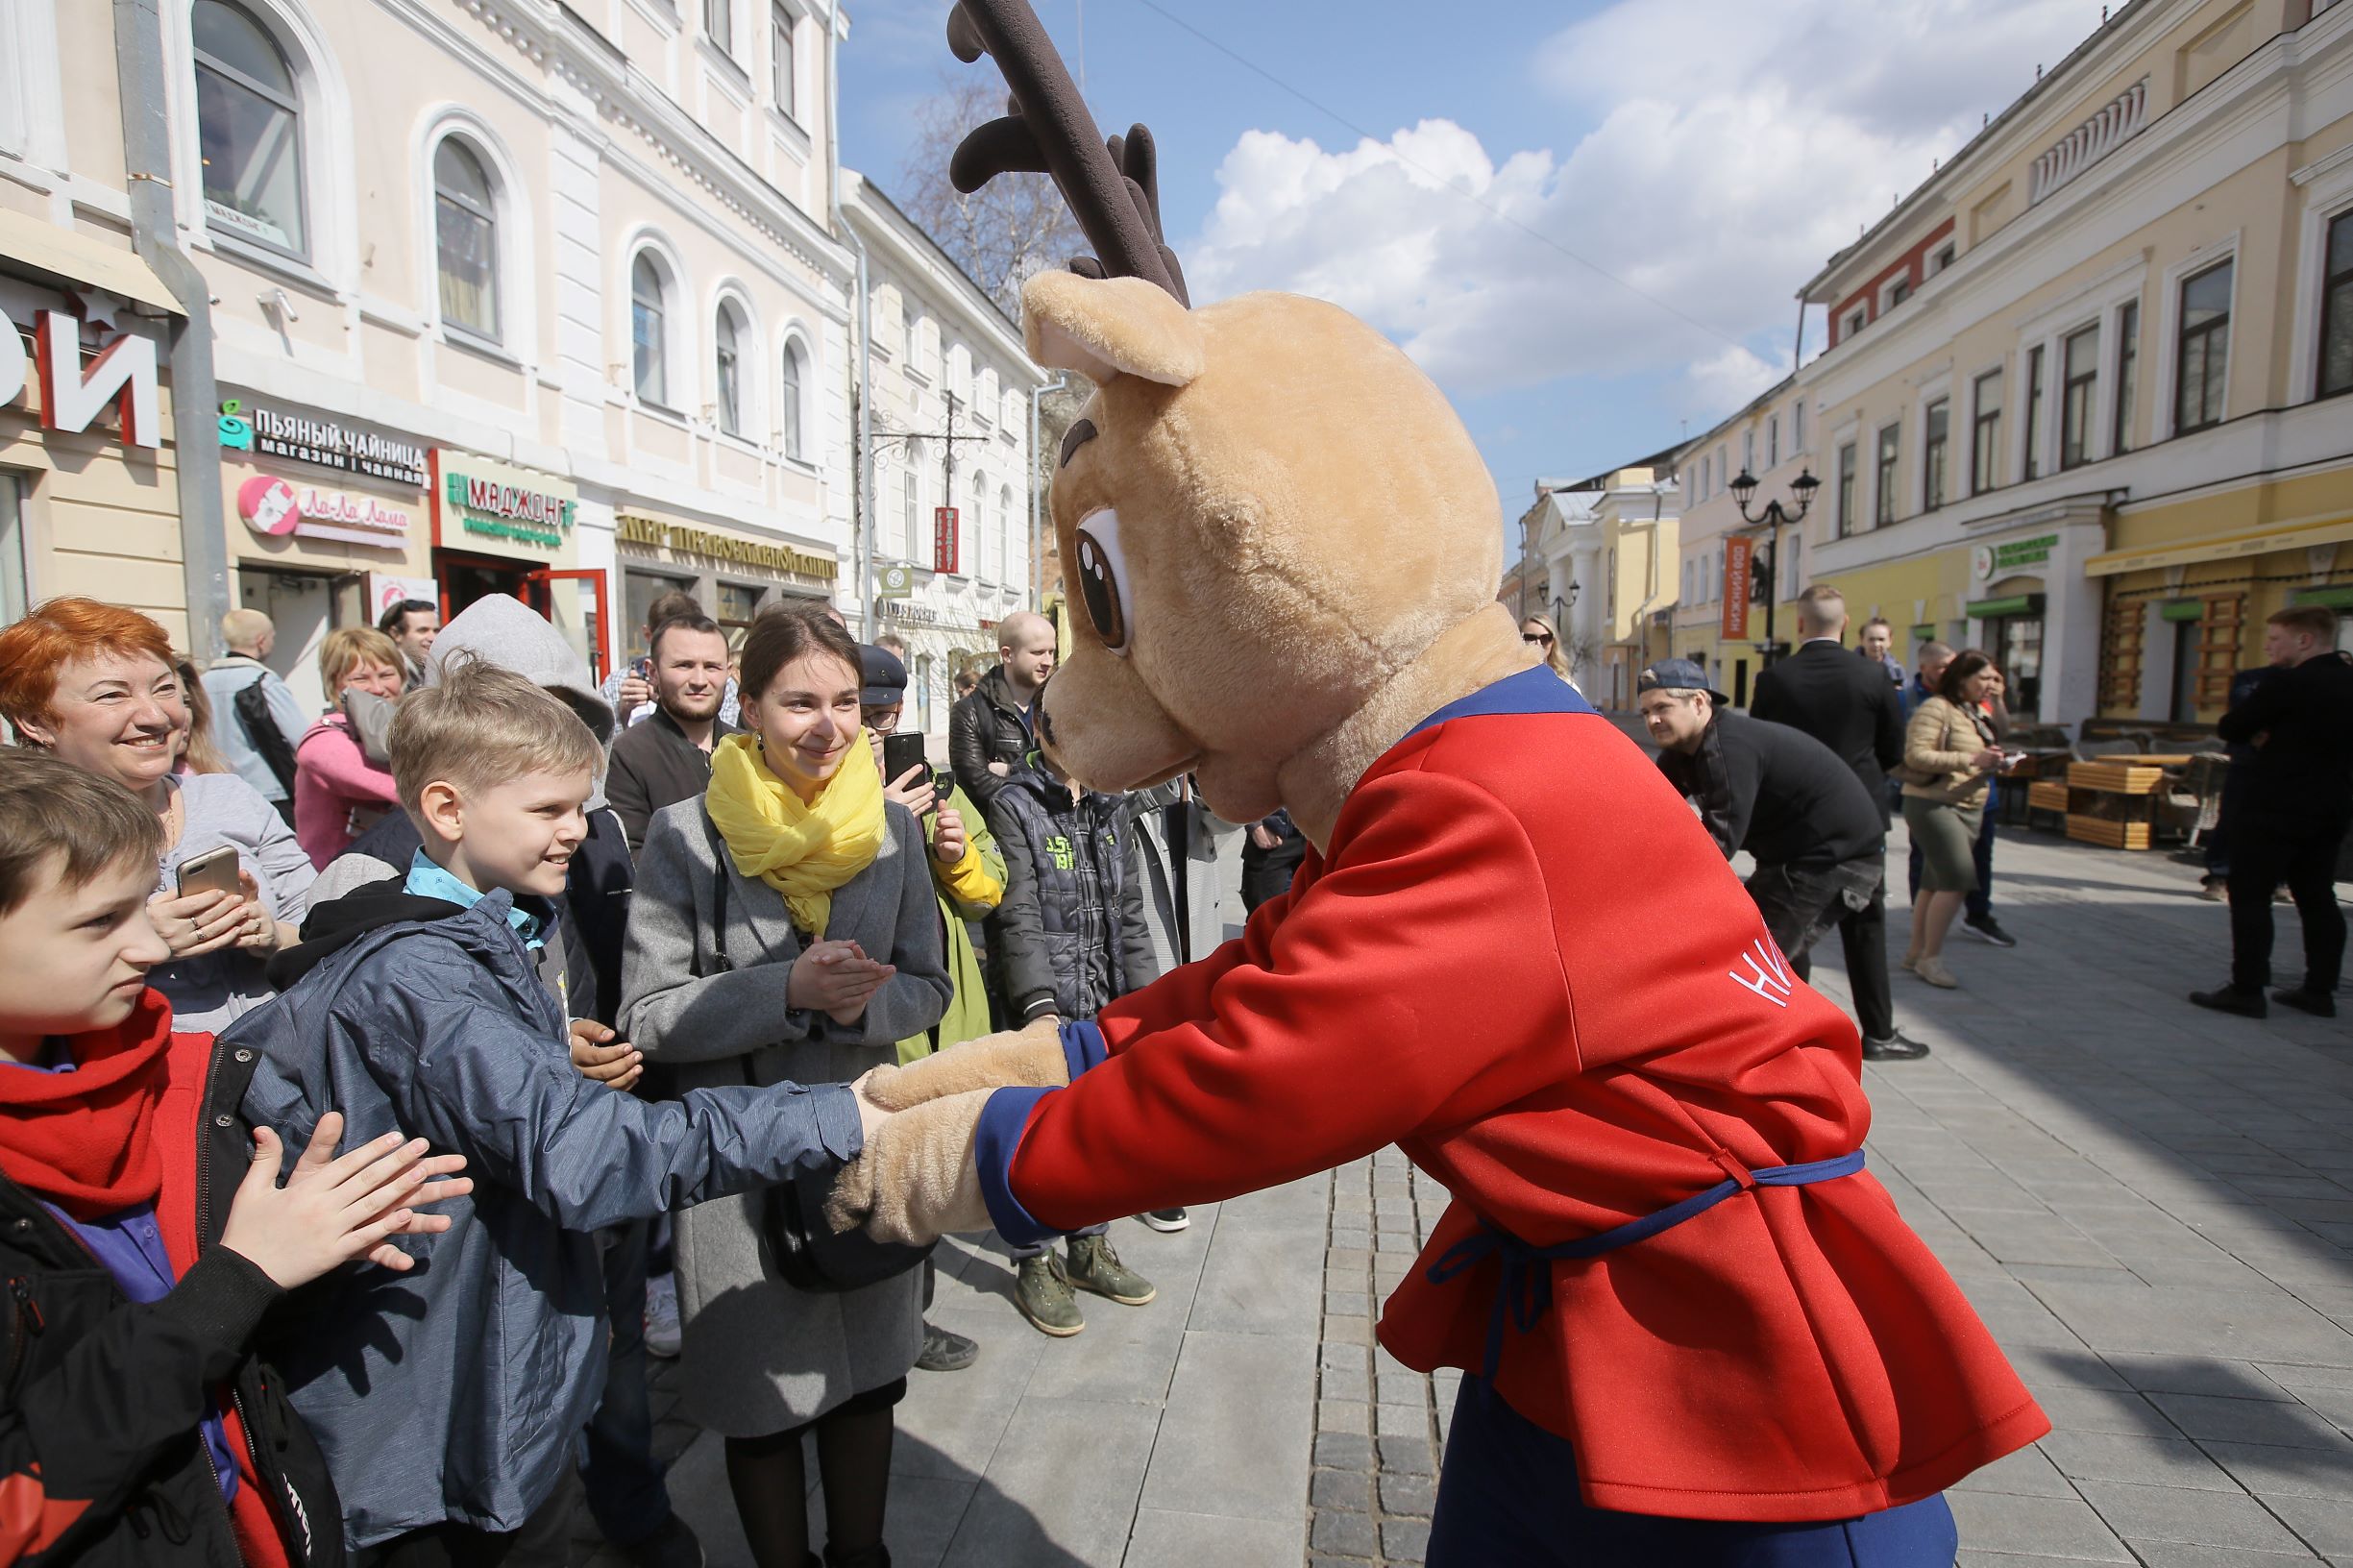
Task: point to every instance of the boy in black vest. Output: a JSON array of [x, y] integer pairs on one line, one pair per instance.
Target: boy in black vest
[[1069, 937]]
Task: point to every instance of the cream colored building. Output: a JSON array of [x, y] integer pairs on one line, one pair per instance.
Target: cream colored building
[[505, 296], [951, 473], [2080, 404], [1598, 559], [1771, 440]]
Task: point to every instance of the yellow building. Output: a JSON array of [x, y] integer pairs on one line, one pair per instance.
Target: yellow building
[[2077, 407], [1599, 559]]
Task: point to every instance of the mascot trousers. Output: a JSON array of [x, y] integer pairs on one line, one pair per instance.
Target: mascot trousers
[[1507, 1499]]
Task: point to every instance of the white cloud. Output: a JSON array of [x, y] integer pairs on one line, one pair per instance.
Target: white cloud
[[1733, 148]]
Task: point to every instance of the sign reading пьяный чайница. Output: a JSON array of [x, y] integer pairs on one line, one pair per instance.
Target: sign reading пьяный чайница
[[481, 503]]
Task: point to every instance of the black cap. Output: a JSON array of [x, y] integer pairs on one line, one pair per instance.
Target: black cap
[[1678, 675], [884, 677]]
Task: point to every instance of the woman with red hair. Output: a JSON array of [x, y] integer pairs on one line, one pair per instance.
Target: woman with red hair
[[96, 685]]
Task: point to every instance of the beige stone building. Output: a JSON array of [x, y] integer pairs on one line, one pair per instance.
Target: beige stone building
[[1598, 559], [502, 295], [1720, 622], [2081, 404]]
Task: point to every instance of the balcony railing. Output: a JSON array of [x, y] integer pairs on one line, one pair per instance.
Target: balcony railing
[[2118, 122]]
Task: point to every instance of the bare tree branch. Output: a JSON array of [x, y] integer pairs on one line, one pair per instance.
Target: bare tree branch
[[1013, 226]]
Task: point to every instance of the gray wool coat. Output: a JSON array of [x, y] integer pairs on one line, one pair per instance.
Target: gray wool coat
[[761, 1357]]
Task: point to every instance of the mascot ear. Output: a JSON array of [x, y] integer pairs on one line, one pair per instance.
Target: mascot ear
[[1107, 326]]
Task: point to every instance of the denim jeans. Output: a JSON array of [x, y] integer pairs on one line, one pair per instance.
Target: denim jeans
[[625, 1490]]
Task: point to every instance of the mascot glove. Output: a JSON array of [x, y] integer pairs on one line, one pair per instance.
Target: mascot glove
[[915, 1182], [1026, 1058]]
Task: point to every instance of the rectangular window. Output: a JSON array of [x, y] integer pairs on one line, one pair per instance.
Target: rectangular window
[[1748, 449], [781, 78], [1883, 505], [1936, 438], [2079, 383], [2337, 308], [719, 22], [1724, 467], [1844, 511], [2202, 352], [1856, 323], [1985, 434], [1901, 292], [1796, 427], [2127, 362], [1772, 442], [1941, 259], [2034, 411], [12, 587]]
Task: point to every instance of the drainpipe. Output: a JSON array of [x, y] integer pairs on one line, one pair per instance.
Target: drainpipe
[[1037, 495], [862, 502], [203, 548]]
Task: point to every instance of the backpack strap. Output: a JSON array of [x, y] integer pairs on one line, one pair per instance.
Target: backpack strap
[[720, 963]]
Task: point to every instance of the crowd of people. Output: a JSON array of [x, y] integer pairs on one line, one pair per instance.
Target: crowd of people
[[571, 976]]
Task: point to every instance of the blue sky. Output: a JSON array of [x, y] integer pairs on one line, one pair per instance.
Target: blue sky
[[1696, 150]]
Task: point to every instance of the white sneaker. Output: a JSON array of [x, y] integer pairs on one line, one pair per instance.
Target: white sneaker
[[662, 1315]]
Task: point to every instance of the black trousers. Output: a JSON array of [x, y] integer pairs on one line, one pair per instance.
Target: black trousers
[[1800, 904], [544, 1541], [2262, 855], [1863, 936]]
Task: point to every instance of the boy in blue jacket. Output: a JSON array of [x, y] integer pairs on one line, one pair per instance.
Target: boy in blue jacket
[[447, 1399]]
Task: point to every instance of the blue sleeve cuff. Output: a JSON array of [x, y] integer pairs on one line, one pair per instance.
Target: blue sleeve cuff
[[1083, 1048], [996, 1139]]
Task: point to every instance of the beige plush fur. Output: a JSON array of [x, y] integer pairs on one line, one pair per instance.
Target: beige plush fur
[[1031, 1057], [1307, 547]]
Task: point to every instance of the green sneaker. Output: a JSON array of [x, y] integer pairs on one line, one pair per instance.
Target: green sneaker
[[1094, 1267], [1043, 1295]]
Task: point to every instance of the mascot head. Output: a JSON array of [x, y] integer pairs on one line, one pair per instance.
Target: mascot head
[[1281, 546]]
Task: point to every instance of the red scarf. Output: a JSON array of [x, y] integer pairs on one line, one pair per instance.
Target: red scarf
[[83, 1140]]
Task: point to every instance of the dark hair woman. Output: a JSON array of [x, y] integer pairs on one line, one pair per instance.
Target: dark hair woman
[[833, 933], [1948, 748]]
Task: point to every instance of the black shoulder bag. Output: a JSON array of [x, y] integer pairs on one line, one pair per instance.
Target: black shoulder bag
[[261, 732], [807, 1253]]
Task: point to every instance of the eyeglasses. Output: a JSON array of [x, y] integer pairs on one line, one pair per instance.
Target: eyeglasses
[[1544, 637]]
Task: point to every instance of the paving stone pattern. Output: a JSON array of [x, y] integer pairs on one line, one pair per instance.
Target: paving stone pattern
[[2152, 1207]]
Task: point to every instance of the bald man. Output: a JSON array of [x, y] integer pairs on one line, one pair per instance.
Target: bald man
[[262, 756], [991, 730]]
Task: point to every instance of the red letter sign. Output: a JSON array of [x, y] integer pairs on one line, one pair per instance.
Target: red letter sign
[[1736, 551], [944, 539]]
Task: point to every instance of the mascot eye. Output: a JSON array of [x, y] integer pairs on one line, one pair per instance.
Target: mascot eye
[[1101, 569]]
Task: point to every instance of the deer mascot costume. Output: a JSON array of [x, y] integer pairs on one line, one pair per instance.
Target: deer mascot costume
[[1692, 1329]]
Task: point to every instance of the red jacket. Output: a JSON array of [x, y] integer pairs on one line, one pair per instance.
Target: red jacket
[[1523, 961]]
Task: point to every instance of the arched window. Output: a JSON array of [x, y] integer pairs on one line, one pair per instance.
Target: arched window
[[788, 399], [466, 227], [726, 363], [249, 126], [980, 512], [1004, 534], [649, 330]]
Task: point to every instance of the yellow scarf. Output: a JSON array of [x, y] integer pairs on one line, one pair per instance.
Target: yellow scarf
[[803, 849]]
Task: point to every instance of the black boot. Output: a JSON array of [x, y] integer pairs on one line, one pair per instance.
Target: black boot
[[877, 1556]]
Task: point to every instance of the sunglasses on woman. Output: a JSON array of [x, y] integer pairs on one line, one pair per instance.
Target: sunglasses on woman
[[1544, 637]]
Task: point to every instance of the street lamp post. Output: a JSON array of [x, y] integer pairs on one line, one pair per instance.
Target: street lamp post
[[1744, 491]]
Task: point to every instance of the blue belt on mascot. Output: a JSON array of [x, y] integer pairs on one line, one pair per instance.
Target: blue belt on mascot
[[1525, 1289]]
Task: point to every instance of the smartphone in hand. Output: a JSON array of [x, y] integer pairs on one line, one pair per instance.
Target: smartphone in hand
[[216, 870]]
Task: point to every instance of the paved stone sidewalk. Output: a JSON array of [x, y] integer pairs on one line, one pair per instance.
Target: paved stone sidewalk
[[2152, 1207]]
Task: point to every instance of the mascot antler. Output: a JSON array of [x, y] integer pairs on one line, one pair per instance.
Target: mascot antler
[[1112, 185]]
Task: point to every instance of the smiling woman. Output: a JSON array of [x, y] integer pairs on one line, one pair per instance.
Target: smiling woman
[[93, 685]]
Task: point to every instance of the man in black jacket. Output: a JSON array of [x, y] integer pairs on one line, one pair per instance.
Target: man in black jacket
[[668, 758], [1780, 795], [1849, 706], [990, 732], [2296, 803]]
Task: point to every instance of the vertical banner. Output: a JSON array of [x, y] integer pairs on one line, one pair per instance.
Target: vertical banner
[[1737, 550], [944, 539]]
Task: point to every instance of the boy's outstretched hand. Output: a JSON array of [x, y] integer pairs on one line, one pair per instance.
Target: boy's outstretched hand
[[600, 1058], [337, 1210]]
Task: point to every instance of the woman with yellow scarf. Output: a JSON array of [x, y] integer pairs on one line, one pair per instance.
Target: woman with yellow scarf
[[832, 954]]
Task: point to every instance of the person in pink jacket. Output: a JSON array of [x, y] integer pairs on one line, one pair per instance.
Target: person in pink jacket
[[339, 790]]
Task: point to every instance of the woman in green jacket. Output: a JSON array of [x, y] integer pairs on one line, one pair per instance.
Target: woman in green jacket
[[966, 891]]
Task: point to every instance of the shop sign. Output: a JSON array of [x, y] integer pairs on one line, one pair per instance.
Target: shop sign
[[1738, 549], [276, 508], [250, 424], [386, 591], [123, 372], [2013, 555], [490, 500], [895, 582], [634, 529], [944, 533]]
